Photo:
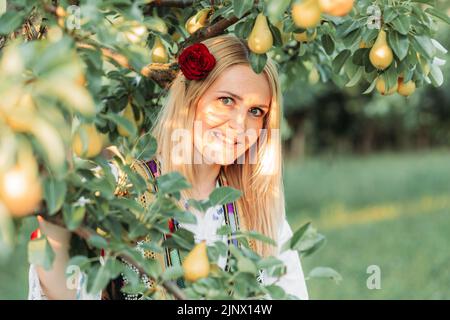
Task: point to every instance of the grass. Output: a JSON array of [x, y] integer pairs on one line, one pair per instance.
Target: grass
[[389, 210]]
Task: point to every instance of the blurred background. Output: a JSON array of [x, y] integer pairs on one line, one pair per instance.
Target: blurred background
[[372, 174]]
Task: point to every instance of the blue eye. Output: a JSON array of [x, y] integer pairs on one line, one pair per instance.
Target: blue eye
[[230, 100], [257, 112]]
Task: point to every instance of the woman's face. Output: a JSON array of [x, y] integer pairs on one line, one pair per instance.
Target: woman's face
[[230, 114]]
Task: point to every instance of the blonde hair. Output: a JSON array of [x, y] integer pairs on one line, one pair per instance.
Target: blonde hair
[[261, 207]]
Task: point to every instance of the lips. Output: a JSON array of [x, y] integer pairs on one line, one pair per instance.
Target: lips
[[224, 138]]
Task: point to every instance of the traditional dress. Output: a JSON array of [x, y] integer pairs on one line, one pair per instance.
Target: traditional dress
[[292, 282]]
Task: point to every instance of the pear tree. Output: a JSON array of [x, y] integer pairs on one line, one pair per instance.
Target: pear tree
[[81, 83]]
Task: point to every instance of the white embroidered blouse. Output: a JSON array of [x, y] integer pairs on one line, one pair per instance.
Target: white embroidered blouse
[[293, 282]]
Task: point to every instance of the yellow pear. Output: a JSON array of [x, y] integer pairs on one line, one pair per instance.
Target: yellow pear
[[381, 55], [306, 14], [196, 264], [94, 141], [304, 37], [406, 88], [381, 87], [137, 33], [425, 65], [260, 39], [313, 76], [159, 52], [20, 188], [129, 115], [363, 44], [176, 36], [22, 117], [155, 23], [197, 21], [336, 8]]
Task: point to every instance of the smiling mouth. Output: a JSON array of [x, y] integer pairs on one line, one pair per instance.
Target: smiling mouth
[[225, 139]]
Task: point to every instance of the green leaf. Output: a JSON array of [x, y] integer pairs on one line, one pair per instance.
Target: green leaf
[[2, 7], [139, 183], [113, 267], [276, 292], [436, 76], [244, 264], [172, 182], [276, 34], [97, 241], [390, 76], [244, 28], [126, 124], [240, 7], [80, 261], [356, 77], [258, 236], [311, 243], [98, 279], [296, 237], [399, 44], [371, 87], [10, 21], [269, 262], [389, 14], [41, 253], [438, 14], [54, 194], [351, 38], [424, 46], [328, 44], [7, 233], [402, 24], [51, 143], [340, 60], [224, 195], [173, 273], [146, 147], [258, 61], [181, 239], [73, 96], [345, 28], [325, 272], [73, 216], [359, 57], [275, 9]]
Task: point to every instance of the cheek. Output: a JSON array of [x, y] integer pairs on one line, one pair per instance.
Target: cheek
[[210, 115]]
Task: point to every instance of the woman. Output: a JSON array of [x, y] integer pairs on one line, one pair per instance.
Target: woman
[[220, 122]]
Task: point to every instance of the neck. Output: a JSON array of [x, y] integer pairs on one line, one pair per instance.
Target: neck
[[205, 179]]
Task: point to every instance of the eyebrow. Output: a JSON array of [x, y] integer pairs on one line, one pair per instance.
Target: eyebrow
[[240, 98]]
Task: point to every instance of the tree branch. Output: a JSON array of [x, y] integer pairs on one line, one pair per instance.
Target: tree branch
[[172, 3], [210, 31], [86, 233], [161, 73]]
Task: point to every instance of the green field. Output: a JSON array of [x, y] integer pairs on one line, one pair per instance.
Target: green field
[[389, 210]]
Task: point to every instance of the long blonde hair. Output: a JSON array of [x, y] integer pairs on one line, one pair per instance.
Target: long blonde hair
[[261, 207]]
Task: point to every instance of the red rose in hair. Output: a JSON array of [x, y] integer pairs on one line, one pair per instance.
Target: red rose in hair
[[196, 61]]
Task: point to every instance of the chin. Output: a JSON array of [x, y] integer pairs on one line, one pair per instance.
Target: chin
[[219, 160], [222, 158]]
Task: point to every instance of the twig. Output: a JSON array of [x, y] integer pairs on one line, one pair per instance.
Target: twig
[[210, 31], [86, 233]]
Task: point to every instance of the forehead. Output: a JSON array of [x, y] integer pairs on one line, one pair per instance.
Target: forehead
[[241, 80]]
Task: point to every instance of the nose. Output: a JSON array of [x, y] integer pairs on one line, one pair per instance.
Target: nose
[[237, 120]]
